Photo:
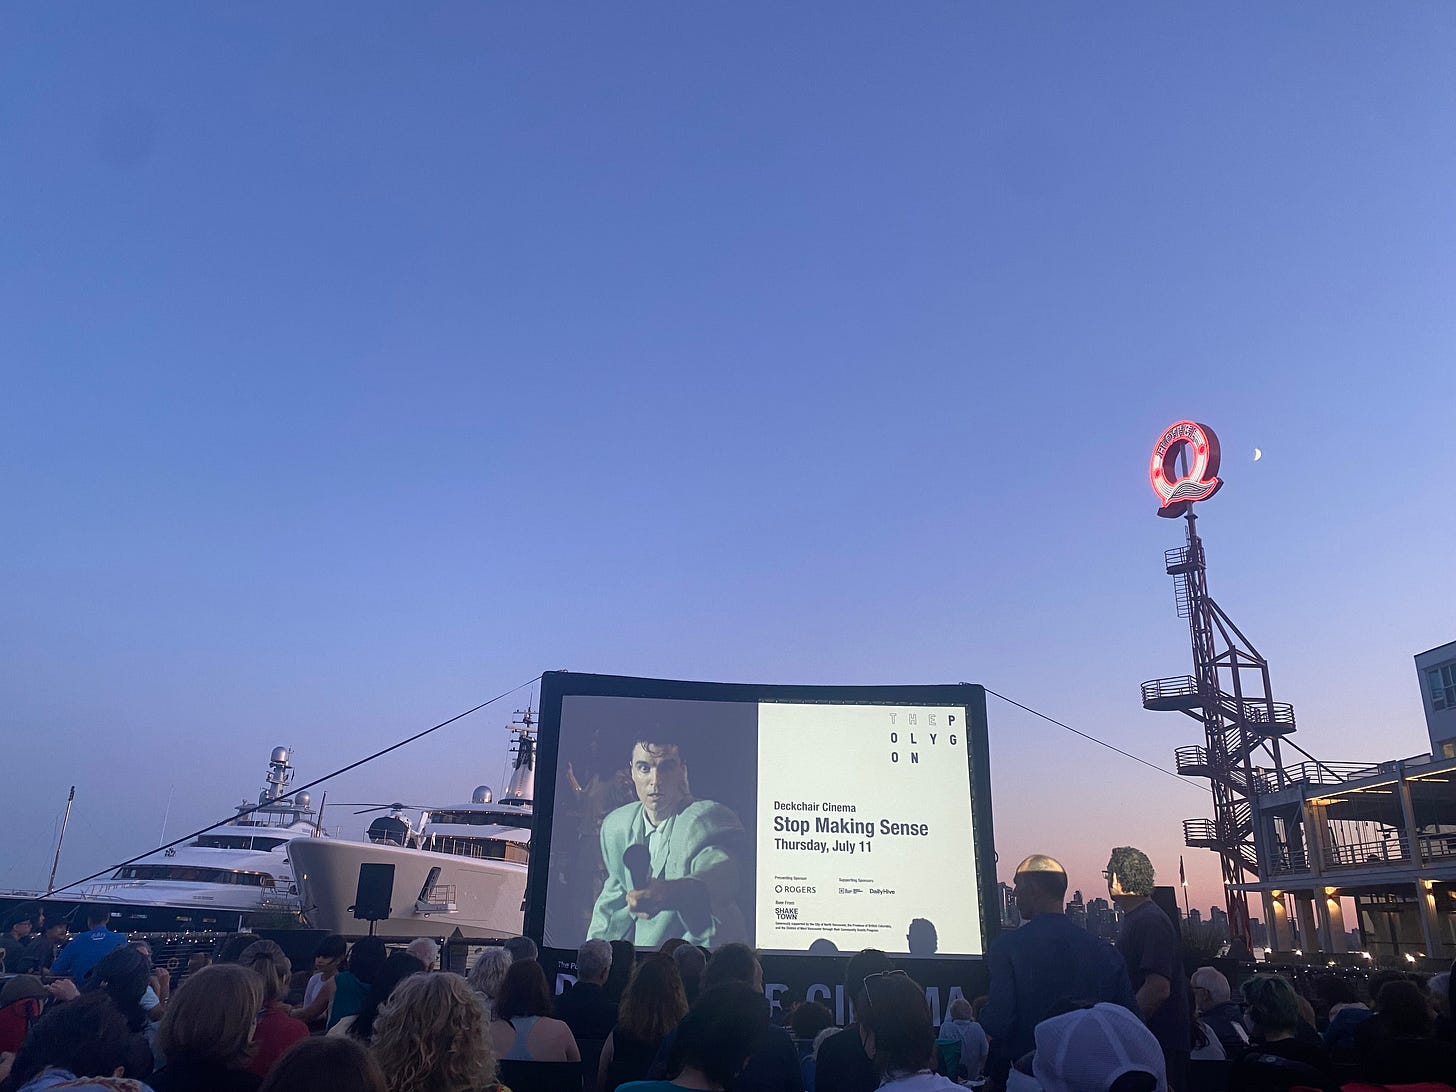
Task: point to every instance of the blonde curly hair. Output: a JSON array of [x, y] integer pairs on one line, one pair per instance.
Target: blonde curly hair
[[433, 1035]]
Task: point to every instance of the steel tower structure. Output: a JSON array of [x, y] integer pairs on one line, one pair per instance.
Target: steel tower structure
[[1229, 692]]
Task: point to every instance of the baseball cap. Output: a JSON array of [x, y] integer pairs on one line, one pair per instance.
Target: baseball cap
[[21, 987], [1086, 1050]]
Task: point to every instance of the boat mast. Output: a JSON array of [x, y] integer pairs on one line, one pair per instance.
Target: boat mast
[[55, 864], [166, 814]]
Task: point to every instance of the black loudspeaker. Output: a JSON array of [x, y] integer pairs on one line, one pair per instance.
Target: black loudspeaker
[[371, 898], [1165, 897]]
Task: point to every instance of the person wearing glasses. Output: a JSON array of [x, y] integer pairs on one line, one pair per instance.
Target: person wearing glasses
[[1148, 943], [1214, 1004], [671, 860], [843, 1063], [898, 1020], [1045, 967]]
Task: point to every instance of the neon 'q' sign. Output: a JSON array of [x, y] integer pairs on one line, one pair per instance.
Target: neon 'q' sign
[[1178, 490]]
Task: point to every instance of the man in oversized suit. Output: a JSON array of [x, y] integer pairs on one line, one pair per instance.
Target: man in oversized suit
[[671, 861]]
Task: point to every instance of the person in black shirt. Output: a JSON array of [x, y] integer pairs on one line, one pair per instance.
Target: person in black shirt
[[652, 1008], [773, 1065], [1339, 1002], [691, 963], [1149, 946], [43, 950], [843, 1063], [720, 1031], [585, 1008], [14, 942], [624, 959], [1278, 1056], [1398, 1045]]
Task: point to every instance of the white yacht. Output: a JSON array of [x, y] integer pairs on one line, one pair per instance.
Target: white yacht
[[229, 874], [459, 867]]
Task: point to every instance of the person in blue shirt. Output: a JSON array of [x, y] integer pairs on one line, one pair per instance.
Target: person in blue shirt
[[1045, 967], [87, 949]]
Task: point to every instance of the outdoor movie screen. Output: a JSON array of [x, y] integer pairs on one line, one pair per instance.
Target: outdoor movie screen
[[795, 819]]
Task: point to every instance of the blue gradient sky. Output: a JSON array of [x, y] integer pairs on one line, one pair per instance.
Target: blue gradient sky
[[362, 360]]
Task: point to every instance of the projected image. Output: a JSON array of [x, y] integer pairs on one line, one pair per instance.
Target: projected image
[[653, 833], [796, 827]]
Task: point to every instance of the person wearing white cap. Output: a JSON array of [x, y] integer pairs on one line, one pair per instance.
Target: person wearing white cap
[[1044, 967], [1104, 1048]]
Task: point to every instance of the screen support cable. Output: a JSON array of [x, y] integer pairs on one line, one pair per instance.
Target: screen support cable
[[1092, 738]]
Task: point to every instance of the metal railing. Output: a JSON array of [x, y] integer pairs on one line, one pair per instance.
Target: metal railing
[[1435, 847], [1286, 859], [1176, 687], [1274, 718], [1191, 761], [1328, 773], [1181, 558], [439, 899], [1263, 781], [1195, 762], [1197, 832], [1374, 853], [1378, 852]]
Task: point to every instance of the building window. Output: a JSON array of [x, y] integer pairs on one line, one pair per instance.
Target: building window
[[1443, 686], [1448, 750]]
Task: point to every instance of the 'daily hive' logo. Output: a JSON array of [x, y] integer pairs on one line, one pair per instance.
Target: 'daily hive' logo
[[1178, 490]]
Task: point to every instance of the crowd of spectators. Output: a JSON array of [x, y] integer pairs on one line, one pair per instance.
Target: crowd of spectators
[[1064, 1012]]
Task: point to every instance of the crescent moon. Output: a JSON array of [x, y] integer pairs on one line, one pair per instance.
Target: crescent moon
[[1258, 454]]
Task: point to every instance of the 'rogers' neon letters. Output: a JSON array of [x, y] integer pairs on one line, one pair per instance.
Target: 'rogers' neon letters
[[1178, 491]]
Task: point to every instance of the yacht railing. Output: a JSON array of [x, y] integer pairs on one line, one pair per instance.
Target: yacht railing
[[481, 849]]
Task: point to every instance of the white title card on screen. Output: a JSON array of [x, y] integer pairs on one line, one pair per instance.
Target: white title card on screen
[[864, 825]]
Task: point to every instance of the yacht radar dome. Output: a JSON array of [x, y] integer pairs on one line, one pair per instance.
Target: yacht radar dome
[[482, 795]]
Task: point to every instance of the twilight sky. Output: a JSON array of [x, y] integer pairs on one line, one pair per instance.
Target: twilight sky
[[363, 360]]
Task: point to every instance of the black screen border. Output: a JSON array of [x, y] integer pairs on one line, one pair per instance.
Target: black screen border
[[556, 685]]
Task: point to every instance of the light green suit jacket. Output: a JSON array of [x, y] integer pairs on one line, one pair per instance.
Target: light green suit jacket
[[701, 843]]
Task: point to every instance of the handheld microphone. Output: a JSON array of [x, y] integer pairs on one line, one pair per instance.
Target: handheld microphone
[[638, 862]]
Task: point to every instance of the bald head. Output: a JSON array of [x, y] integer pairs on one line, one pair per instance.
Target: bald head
[[1041, 886]]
